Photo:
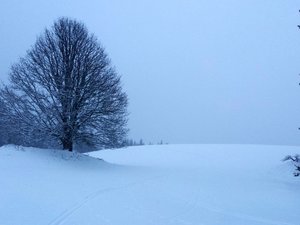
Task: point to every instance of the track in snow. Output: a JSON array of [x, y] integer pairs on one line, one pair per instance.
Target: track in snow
[[61, 218]]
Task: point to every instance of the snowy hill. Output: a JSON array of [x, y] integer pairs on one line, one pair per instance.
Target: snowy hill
[[157, 185]]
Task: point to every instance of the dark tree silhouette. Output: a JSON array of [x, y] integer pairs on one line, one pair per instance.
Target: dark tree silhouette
[[66, 88]]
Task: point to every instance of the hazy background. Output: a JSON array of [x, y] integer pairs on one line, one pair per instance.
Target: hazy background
[[195, 71]]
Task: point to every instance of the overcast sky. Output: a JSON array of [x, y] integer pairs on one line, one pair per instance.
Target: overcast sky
[[196, 71]]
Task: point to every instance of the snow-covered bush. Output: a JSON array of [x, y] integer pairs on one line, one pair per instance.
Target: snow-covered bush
[[296, 162]]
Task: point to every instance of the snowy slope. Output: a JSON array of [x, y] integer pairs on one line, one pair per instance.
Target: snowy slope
[[157, 185]]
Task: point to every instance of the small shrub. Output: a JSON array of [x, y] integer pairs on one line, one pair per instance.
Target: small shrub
[[296, 162]]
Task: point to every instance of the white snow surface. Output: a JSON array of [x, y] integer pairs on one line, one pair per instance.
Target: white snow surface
[[150, 185]]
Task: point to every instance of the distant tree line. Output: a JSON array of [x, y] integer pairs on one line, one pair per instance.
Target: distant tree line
[[64, 92], [132, 142]]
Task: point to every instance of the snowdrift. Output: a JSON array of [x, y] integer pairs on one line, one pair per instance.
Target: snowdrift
[[157, 185]]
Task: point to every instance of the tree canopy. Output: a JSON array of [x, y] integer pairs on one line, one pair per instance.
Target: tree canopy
[[65, 91]]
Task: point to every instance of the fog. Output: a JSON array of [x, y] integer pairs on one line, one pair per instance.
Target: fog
[[195, 71]]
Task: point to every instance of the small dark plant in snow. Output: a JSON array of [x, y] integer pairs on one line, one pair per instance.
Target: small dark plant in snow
[[296, 161]]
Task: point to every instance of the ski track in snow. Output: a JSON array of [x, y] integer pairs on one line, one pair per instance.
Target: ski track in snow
[[194, 205], [62, 217]]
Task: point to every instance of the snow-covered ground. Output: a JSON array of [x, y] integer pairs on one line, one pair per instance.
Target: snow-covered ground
[[157, 185]]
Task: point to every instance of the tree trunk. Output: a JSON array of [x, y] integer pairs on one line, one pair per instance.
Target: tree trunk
[[67, 140], [67, 144]]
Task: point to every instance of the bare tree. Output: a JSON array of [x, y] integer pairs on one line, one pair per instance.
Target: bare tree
[[65, 88], [3, 127]]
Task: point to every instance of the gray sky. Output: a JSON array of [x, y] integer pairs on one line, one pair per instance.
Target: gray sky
[[195, 71]]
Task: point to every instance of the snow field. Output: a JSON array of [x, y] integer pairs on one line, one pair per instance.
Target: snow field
[[157, 185]]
